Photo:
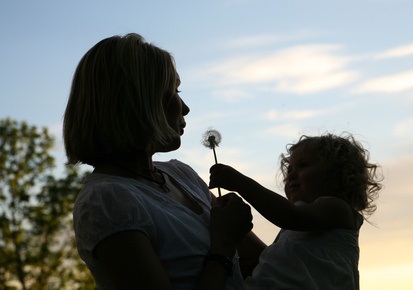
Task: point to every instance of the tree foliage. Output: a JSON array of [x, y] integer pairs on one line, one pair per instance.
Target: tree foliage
[[37, 248]]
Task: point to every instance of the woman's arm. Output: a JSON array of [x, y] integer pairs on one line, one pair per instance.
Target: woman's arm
[[251, 246], [131, 262], [248, 250]]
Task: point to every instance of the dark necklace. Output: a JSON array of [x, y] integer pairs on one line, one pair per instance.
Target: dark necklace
[[111, 169], [162, 184]]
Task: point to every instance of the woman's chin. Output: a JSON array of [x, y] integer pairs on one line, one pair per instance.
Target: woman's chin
[[171, 146]]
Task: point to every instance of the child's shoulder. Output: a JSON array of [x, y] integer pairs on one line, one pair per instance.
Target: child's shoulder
[[333, 202], [342, 210]]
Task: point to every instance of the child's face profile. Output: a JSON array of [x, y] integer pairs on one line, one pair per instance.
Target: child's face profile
[[306, 177]]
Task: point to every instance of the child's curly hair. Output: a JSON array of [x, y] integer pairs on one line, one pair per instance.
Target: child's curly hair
[[348, 169]]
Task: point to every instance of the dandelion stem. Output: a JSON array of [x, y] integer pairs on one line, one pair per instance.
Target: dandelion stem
[[215, 155], [216, 161]]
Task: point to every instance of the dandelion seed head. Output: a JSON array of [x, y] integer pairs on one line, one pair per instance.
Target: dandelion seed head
[[211, 138]]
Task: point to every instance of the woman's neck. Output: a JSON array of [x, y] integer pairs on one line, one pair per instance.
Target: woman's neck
[[140, 164]]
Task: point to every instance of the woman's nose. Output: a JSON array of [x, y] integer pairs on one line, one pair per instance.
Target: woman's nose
[[185, 108]]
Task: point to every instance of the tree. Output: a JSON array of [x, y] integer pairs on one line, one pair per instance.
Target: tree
[[37, 248]]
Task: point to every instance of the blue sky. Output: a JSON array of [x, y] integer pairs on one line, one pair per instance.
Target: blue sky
[[261, 72]]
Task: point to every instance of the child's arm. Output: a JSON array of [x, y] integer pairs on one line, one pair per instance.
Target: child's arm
[[324, 214]]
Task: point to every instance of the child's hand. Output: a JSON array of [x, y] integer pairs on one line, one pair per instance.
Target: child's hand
[[224, 176]]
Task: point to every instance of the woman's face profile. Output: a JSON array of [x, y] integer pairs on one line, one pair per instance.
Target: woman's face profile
[[175, 112]]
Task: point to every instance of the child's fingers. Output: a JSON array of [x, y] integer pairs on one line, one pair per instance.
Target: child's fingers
[[214, 175], [216, 167]]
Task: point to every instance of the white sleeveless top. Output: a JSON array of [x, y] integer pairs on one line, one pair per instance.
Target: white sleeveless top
[[316, 260], [109, 204]]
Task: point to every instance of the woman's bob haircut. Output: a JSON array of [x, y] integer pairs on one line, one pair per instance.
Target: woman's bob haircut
[[117, 99]]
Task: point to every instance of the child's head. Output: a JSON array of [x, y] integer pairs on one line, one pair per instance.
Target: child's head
[[348, 173], [117, 101]]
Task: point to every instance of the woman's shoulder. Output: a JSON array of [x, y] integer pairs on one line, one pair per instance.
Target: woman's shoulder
[[108, 197], [97, 182], [173, 163], [177, 168], [99, 189]]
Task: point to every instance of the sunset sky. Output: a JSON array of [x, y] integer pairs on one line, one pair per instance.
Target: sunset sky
[[262, 73]]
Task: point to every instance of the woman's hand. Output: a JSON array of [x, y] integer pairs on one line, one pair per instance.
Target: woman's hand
[[231, 220]]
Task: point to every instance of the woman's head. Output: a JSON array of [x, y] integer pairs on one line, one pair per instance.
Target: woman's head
[[348, 172], [117, 103]]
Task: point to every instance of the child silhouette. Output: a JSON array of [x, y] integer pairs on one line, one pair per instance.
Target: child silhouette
[[330, 188]]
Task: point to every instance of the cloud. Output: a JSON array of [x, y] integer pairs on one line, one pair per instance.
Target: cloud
[[388, 84], [401, 51], [263, 40], [297, 115], [302, 69], [253, 41], [299, 69], [316, 83], [232, 94], [289, 131], [404, 128], [274, 115]]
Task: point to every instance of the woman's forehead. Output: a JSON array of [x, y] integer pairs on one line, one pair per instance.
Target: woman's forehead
[[177, 78]]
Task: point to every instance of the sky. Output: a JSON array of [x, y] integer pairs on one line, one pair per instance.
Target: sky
[[262, 73]]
